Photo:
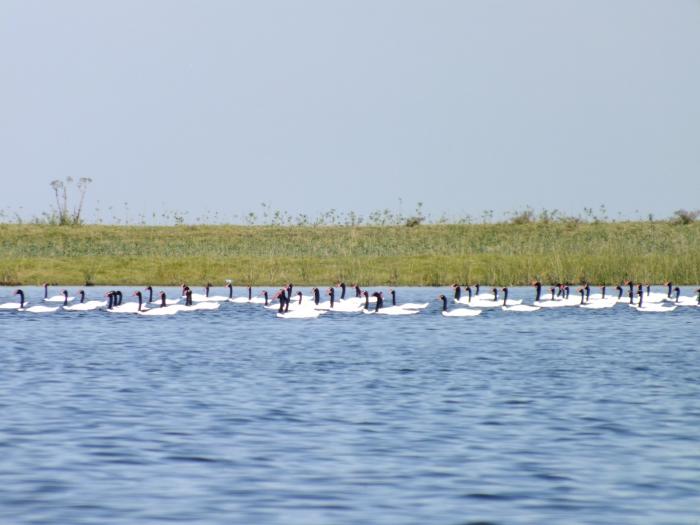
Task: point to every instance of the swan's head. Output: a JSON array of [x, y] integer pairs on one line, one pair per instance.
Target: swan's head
[[441, 297], [149, 288], [65, 293], [536, 283], [137, 293], [18, 292], [229, 285], [454, 285], [299, 294], [365, 293], [504, 289]]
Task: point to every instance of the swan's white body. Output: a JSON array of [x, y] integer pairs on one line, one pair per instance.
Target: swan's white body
[[654, 307], [126, 308], [684, 300], [461, 312], [301, 313], [599, 304], [520, 308], [165, 310], [203, 305], [168, 302], [86, 306], [39, 309], [11, 306], [57, 299], [396, 310], [342, 306]]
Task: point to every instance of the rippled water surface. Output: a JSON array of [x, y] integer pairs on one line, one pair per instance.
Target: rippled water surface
[[235, 416]]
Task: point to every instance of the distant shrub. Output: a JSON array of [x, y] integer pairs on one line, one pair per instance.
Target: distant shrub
[[524, 217], [684, 217]]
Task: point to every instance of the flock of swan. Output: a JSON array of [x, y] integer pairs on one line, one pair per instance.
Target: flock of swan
[[466, 301]]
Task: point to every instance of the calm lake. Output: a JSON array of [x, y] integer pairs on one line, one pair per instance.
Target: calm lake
[[235, 416]]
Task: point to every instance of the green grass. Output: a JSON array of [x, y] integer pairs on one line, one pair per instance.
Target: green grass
[[397, 255]]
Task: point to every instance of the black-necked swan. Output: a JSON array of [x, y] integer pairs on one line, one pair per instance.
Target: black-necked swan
[[334, 306], [149, 289], [653, 307], [118, 308], [38, 309], [683, 300], [164, 308], [458, 312], [390, 310], [56, 298], [283, 311], [515, 307], [406, 306], [84, 306]]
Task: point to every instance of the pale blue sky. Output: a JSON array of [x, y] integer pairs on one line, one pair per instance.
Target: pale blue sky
[[465, 105]]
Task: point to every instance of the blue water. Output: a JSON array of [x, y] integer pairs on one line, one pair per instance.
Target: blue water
[[235, 416]]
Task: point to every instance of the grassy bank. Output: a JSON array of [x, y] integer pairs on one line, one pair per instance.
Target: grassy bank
[[397, 255]]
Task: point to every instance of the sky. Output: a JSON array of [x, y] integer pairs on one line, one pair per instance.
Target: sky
[[214, 107]]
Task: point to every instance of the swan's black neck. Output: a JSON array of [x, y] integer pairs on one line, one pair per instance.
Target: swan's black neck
[[379, 302], [150, 293], [206, 290], [65, 298], [469, 292], [495, 294], [393, 297], [552, 290], [678, 293], [603, 290], [342, 290], [444, 303], [631, 296], [290, 287], [21, 298], [538, 291], [46, 291], [331, 293], [641, 294], [367, 300], [230, 290], [118, 297], [458, 292], [583, 294], [250, 293], [110, 300], [140, 298], [476, 287], [588, 292], [505, 296], [648, 289], [188, 298], [358, 292], [670, 285], [299, 294], [163, 302], [317, 296], [619, 292], [82, 296], [265, 296], [283, 300]]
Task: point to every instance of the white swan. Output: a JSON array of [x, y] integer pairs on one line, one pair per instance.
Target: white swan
[[149, 289], [653, 307], [459, 312], [389, 310], [84, 306], [516, 307], [334, 306], [679, 300], [407, 306], [39, 309], [126, 308], [56, 298], [163, 309], [492, 302]]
